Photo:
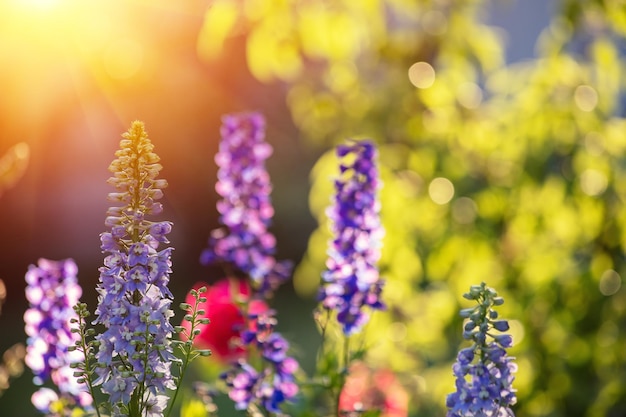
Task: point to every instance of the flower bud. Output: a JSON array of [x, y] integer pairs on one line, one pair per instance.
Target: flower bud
[[501, 325], [470, 325], [504, 340]]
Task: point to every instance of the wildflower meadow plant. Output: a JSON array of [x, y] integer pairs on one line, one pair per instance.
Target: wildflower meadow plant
[[135, 353], [52, 291], [352, 282], [484, 372], [245, 208], [132, 363], [244, 246], [350, 287]]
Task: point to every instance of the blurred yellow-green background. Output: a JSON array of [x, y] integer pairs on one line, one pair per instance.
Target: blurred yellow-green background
[[501, 132]]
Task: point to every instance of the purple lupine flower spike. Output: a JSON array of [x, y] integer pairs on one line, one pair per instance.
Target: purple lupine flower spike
[[245, 207], [134, 299], [351, 280], [484, 372], [52, 291]]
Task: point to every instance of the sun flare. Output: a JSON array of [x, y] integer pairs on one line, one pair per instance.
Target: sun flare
[[61, 50], [39, 4]]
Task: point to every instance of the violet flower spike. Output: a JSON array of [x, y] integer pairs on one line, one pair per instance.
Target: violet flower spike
[[351, 281], [135, 353], [275, 383], [484, 372], [245, 207], [52, 291]]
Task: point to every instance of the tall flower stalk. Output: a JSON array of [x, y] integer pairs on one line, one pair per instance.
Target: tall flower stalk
[[484, 372], [351, 285], [135, 352], [245, 207], [52, 290], [351, 282], [263, 379]]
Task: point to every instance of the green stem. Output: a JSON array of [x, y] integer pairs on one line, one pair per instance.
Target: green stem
[[180, 379], [323, 327], [88, 369], [142, 385], [189, 352], [344, 371]]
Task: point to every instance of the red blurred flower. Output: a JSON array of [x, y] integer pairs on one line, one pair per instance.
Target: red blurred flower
[[367, 389], [223, 308]]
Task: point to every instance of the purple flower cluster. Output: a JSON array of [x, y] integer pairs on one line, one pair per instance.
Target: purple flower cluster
[[273, 385], [52, 291], [135, 352], [351, 280], [245, 243], [484, 372], [245, 207]]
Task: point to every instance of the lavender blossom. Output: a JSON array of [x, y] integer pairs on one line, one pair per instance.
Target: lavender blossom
[[351, 281], [245, 207], [275, 383], [484, 372], [135, 352], [52, 291]]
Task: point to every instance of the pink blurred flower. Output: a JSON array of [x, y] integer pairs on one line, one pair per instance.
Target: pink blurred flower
[[368, 389], [223, 308]]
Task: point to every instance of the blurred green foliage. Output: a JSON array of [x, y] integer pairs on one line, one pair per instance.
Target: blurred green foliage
[[511, 174]]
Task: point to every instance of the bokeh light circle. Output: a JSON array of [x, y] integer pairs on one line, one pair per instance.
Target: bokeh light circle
[[610, 282], [464, 210], [586, 98], [593, 182], [441, 190], [422, 75]]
